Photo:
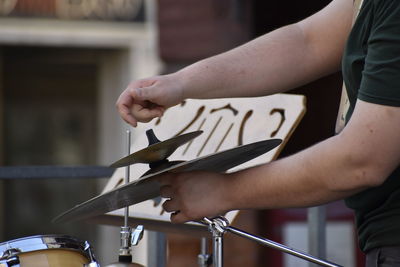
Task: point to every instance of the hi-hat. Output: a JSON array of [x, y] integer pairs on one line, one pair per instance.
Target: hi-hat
[[148, 187], [157, 150]]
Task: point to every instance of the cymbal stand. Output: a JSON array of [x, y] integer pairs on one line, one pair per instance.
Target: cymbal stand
[[219, 225], [204, 259], [217, 228], [128, 236], [125, 254]]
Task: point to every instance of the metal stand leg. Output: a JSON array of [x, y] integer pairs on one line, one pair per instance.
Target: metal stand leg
[[217, 227], [317, 232], [204, 259], [157, 243], [218, 254], [128, 237], [220, 225], [125, 252]]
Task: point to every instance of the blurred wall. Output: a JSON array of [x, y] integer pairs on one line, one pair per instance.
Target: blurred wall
[[66, 63], [1, 144]]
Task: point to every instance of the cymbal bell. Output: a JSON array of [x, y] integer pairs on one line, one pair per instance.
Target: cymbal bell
[[148, 187], [157, 150]]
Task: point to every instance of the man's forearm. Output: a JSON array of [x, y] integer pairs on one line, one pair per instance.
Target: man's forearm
[[263, 66], [362, 156], [312, 177], [276, 62]]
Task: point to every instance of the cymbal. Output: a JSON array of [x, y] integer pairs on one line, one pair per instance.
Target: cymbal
[[157, 151], [148, 187]]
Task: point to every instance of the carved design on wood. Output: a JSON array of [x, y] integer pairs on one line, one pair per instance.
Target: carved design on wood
[[242, 125], [228, 107], [209, 136], [224, 137], [196, 117], [281, 112], [190, 143], [206, 114]]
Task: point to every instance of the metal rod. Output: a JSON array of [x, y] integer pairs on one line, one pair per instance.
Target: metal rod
[[218, 255], [127, 174], [125, 254], [156, 249], [316, 217], [55, 172], [203, 245], [203, 259], [217, 227], [280, 247]]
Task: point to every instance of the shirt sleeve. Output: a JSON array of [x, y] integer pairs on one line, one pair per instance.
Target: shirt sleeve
[[380, 82]]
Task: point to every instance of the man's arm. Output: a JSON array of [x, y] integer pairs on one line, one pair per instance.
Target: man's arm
[[361, 156], [275, 62]]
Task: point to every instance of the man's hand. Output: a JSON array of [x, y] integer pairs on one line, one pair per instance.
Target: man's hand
[[194, 195], [146, 99]]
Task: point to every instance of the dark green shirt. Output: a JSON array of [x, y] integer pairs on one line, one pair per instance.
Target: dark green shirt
[[371, 71]]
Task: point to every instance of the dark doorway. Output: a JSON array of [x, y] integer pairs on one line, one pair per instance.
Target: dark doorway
[[50, 118]]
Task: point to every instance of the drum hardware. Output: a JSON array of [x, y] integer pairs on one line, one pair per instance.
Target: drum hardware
[[125, 254], [128, 238], [204, 259], [219, 225], [10, 258], [89, 253], [11, 261], [47, 250], [217, 228]]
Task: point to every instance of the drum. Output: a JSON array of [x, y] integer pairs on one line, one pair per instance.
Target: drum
[[46, 251]]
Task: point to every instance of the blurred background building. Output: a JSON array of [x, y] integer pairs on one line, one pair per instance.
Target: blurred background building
[[63, 64]]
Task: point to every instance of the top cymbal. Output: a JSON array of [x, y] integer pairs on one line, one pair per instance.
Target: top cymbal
[[156, 151], [148, 187]]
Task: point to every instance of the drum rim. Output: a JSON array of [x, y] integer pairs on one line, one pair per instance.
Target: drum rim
[[42, 242]]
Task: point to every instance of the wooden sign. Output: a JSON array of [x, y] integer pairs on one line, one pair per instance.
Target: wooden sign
[[226, 123]]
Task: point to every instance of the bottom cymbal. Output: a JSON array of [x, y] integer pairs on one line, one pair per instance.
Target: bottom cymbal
[[147, 187]]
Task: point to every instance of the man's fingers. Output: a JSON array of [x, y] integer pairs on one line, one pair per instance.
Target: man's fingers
[[165, 179], [179, 217], [171, 205], [142, 112], [128, 118], [135, 104], [126, 115], [145, 112], [166, 191]]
